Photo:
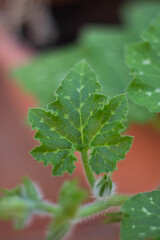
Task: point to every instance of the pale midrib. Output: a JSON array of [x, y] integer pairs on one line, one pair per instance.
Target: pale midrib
[[80, 112], [57, 150]]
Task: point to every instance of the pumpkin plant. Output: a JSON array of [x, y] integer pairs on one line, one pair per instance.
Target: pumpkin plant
[[81, 118]]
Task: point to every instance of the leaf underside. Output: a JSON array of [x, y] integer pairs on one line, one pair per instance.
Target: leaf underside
[[81, 118], [141, 219], [144, 62]]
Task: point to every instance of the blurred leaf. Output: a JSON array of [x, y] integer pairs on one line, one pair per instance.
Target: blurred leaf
[[70, 199], [20, 203], [141, 219], [144, 63]]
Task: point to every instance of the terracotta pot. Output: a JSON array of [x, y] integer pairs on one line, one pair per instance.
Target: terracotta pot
[[137, 173]]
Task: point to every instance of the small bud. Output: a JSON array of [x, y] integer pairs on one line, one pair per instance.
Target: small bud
[[104, 187]]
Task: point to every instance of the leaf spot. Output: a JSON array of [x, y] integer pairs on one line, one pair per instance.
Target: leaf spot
[[80, 89], [155, 40], [65, 116], [158, 103], [153, 228], [146, 61], [133, 226], [148, 93], [141, 73], [67, 97], [42, 120], [146, 211], [157, 90], [142, 234]]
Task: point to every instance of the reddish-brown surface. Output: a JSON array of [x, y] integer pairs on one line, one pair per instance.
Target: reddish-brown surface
[[137, 173]]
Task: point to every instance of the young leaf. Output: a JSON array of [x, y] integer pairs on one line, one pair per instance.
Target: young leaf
[[70, 199], [144, 63], [20, 203], [81, 119], [141, 219]]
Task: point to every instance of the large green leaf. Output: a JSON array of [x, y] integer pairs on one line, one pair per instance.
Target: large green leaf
[[81, 119], [141, 219], [144, 63]]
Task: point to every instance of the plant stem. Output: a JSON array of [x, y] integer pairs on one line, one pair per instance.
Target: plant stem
[[47, 207], [90, 177], [98, 207], [87, 210]]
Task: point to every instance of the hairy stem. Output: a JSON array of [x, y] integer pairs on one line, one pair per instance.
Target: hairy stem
[[47, 207], [90, 177], [86, 211], [98, 207]]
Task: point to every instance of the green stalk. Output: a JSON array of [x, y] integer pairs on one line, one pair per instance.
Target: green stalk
[[98, 207], [47, 207], [86, 210], [90, 177]]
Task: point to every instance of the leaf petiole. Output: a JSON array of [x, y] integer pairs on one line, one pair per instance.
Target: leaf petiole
[[98, 207], [89, 174]]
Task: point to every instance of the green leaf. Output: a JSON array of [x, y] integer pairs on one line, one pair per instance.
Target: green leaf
[[145, 87], [70, 199], [141, 219], [81, 118], [20, 203]]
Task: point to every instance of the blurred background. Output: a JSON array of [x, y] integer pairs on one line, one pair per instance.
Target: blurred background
[[44, 23], [40, 41]]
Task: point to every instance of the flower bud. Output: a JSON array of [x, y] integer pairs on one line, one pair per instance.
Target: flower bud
[[104, 187]]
